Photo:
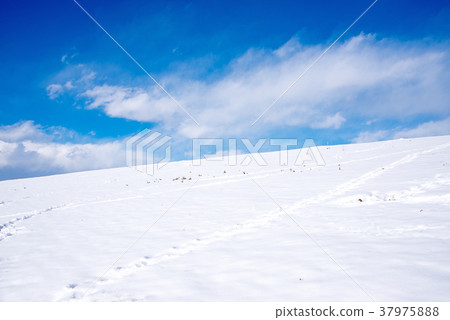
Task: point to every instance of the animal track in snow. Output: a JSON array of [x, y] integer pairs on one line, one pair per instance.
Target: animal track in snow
[[122, 271]]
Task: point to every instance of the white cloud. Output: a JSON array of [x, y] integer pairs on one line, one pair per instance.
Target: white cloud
[[368, 136], [431, 128], [427, 129], [68, 56], [27, 149], [54, 90], [21, 131], [72, 78], [362, 78], [131, 103], [329, 122]]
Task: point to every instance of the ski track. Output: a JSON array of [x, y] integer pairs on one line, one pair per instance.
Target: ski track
[[75, 292]]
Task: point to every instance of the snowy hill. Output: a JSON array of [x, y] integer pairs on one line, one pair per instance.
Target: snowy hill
[[373, 223]]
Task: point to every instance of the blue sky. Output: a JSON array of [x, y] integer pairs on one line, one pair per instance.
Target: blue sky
[[68, 90]]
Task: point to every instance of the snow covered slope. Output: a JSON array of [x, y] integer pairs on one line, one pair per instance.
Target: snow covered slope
[[374, 223]]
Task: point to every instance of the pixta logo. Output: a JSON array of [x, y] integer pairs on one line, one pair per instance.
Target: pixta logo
[[308, 153], [149, 151], [141, 151]]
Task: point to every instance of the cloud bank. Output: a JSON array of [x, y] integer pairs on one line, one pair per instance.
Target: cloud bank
[[427, 129], [28, 149], [360, 79]]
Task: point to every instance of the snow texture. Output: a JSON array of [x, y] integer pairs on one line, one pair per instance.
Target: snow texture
[[373, 223]]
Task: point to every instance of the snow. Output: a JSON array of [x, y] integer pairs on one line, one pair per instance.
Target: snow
[[373, 223]]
